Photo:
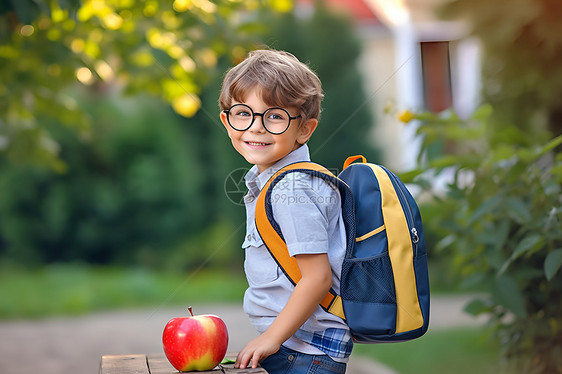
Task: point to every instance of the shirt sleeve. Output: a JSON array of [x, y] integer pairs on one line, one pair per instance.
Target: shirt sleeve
[[302, 206]]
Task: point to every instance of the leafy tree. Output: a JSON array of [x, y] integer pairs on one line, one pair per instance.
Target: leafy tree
[[522, 42], [128, 188], [503, 215], [165, 48]]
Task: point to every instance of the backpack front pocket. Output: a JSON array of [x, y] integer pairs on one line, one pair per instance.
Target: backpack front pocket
[[368, 294]]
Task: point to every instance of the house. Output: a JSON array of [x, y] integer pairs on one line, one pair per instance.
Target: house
[[411, 60]]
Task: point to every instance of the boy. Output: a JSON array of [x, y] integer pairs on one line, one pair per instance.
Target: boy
[[270, 108]]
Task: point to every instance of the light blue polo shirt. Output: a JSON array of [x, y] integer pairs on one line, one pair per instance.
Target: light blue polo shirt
[[308, 211]]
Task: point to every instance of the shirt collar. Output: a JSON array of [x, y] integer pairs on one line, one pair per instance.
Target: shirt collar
[[256, 180]]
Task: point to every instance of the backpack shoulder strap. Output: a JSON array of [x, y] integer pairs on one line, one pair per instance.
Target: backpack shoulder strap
[[273, 238]]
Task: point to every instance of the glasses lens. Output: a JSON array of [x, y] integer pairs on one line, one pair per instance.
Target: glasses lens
[[240, 116], [276, 120]]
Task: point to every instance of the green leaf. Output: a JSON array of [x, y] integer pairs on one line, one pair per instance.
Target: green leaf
[[424, 183], [527, 155], [482, 113], [409, 176], [552, 263], [506, 293], [444, 161], [557, 170], [485, 208], [476, 307], [502, 233], [529, 243], [502, 152], [464, 133], [473, 281], [552, 144], [445, 242], [518, 210]]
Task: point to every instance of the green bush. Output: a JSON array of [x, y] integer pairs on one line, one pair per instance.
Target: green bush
[[502, 211], [132, 188]]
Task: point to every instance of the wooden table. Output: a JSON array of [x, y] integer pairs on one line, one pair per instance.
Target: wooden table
[[158, 364]]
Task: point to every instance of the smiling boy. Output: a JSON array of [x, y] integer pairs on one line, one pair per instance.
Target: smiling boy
[[270, 108]]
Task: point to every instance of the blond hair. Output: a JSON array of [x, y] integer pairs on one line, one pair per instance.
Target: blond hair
[[280, 77]]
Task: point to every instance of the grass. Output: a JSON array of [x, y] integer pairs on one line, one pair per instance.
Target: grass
[[78, 289], [459, 350], [70, 289]]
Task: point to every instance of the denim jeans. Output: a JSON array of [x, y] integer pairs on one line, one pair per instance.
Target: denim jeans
[[287, 361]]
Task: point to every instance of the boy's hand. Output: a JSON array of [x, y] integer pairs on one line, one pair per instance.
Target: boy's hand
[[255, 351], [315, 282]]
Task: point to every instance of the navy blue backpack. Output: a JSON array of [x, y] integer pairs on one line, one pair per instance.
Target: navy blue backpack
[[384, 289]]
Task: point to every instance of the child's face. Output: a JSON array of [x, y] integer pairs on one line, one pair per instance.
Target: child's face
[[260, 147]]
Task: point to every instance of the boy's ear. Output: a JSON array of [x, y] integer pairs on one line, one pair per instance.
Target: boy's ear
[[224, 120], [306, 130]]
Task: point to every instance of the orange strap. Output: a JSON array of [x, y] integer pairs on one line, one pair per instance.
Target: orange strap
[[274, 243], [352, 159]]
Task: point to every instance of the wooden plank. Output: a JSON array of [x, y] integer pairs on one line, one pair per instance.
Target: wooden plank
[[124, 364], [159, 364], [229, 369]]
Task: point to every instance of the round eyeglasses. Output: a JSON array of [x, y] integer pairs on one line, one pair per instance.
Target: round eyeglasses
[[275, 120]]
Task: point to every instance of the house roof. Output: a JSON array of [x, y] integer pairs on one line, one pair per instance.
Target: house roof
[[358, 9]]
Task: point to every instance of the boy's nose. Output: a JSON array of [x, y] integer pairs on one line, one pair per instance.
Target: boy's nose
[[257, 125]]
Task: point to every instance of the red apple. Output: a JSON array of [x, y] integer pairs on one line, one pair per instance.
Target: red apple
[[195, 342]]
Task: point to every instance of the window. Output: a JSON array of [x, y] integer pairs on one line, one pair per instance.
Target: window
[[436, 73]]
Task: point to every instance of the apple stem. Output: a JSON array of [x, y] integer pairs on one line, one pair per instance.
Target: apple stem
[[190, 310]]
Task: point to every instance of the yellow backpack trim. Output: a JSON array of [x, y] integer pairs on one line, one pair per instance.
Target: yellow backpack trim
[[409, 315], [369, 234]]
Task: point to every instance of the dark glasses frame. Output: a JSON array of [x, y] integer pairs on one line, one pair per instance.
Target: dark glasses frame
[[254, 114]]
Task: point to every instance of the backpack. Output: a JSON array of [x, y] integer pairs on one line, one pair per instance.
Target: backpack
[[384, 285]]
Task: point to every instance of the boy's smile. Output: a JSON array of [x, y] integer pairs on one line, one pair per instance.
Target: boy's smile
[[257, 145]]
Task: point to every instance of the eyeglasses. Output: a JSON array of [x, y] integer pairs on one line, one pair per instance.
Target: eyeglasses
[[275, 120]]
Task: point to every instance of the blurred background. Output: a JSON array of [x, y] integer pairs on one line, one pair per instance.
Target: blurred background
[[119, 187]]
